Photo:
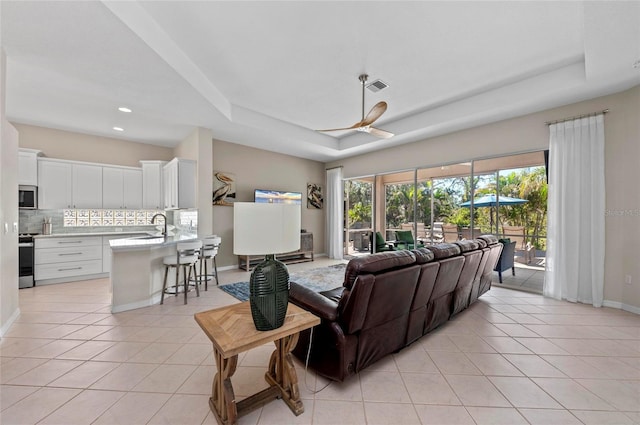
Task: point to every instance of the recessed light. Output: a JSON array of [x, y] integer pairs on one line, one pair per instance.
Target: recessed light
[[118, 128], [124, 109]]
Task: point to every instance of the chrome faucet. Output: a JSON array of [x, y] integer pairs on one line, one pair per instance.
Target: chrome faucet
[[153, 219]]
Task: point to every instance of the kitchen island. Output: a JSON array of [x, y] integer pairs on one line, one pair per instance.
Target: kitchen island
[[137, 270]]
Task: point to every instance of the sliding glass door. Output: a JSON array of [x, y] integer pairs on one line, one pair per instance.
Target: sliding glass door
[[358, 216]]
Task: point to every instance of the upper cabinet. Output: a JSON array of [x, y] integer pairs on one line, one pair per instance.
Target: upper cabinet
[[64, 184], [121, 187], [54, 184], [28, 167], [157, 185], [87, 186], [152, 184], [179, 184]]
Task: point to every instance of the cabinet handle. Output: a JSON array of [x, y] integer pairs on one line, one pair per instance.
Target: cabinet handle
[[70, 268], [71, 253], [60, 242]]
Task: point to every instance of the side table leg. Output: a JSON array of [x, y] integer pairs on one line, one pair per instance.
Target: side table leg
[[223, 400], [282, 373]]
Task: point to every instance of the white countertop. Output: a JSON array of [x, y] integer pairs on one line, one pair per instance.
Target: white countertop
[[150, 241], [72, 235]]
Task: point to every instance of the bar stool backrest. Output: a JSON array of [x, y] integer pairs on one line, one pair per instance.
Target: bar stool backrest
[[187, 252], [210, 245]]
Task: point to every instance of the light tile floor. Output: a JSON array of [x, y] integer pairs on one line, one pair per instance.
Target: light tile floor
[[512, 358], [526, 278]]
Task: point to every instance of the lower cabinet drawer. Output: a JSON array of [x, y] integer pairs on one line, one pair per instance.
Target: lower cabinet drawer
[[64, 255], [72, 268]]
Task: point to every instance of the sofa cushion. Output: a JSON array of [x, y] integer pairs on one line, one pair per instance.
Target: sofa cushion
[[489, 239], [375, 263], [482, 243], [467, 245], [444, 250], [423, 255]]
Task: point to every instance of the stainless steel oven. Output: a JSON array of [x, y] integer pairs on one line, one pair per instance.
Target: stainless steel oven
[[28, 197], [25, 260]]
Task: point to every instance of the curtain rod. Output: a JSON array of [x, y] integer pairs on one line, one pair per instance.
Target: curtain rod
[[604, 111], [333, 168]]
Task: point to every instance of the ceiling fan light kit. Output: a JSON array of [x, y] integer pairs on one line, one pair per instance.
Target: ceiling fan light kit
[[364, 125]]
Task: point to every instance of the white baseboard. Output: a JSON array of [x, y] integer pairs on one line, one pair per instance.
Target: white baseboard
[[139, 304], [621, 306], [7, 325]]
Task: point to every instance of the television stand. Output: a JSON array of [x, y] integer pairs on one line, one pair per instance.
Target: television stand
[[303, 255]]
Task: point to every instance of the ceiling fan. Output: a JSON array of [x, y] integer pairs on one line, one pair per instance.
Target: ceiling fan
[[364, 124]]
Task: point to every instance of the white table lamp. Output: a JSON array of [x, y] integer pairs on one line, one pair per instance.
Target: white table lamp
[[267, 229]]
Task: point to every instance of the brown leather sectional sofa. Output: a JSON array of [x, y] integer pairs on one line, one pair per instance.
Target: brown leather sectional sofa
[[389, 300]]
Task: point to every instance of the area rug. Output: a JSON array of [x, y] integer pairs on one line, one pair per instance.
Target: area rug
[[318, 280]]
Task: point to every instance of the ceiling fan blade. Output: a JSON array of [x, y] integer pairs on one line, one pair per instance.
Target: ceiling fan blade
[[375, 113], [353, 127], [383, 134]]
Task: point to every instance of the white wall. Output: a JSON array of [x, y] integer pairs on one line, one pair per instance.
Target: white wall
[[527, 133], [199, 146], [9, 308], [259, 169]]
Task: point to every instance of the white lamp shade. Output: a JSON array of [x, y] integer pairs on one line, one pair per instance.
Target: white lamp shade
[[261, 229]]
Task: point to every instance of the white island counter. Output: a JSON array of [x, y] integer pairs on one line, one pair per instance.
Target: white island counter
[[137, 271]]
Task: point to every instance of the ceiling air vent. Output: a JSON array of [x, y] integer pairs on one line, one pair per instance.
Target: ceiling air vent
[[377, 85]]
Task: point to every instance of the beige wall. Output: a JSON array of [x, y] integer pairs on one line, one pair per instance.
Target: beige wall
[[258, 169], [83, 147], [9, 308], [527, 133], [622, 159], [198, 146]]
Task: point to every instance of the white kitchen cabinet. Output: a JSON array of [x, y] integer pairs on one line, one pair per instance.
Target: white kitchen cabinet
[[61, 258], [54, 184], [28, 167], [87, 186], [121, 188], [179, 179], [152, 184], [66, 184]]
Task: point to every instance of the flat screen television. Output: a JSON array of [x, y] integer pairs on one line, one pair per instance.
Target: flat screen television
[[277, 197]]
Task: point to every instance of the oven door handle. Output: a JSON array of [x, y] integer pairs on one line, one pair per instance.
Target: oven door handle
[[25, 245]]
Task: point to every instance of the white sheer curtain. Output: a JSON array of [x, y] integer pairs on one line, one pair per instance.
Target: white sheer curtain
[[335, 216], [575, 220]]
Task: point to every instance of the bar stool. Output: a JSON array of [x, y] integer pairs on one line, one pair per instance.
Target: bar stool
[[210, 245], [187, 257]]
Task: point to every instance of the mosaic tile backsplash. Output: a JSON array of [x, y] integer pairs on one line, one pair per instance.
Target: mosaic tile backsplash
[[95, 217]]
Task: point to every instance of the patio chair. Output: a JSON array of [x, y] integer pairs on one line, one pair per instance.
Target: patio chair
[[405, 240], [505, 262], [450, 232], [516, 234], [422, 232], [466, 233], [382, 245], [436, 232]]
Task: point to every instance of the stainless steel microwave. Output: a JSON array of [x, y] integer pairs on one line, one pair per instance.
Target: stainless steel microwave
[[28, 197]]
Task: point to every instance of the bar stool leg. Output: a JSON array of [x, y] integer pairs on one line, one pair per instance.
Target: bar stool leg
[[177, 278], [215, 269], [197, 278], [206, 275], [164, 285], [186, 281]]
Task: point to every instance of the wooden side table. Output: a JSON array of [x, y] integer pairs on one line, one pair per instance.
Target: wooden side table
[[231, 330]]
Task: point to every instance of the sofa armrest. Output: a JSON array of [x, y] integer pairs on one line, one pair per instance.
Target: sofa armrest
[[314, 302]]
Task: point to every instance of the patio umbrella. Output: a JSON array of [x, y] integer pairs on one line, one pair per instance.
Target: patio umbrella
[[493, 201]]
